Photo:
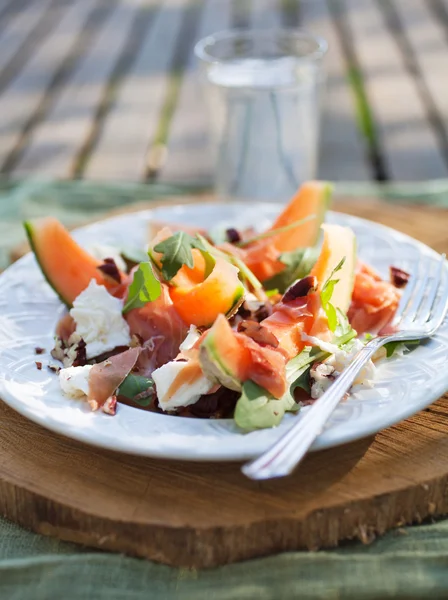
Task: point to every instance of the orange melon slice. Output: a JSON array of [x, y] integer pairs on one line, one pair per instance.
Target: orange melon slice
[[232, 358], [312, 198], [66, 266], [339, 243], [200, 303], [186, 276]]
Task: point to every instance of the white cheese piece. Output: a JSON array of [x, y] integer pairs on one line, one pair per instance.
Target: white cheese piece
[[322, 377], [192, 337], [102, 251], [74, 381], [315, 341], [99, 320], [341, 360], [187, 394]]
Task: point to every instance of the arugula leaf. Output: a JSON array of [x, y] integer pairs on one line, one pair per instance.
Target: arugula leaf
[[391, 347], [138, 389], [308, 355], [326, 294], [270, 293], [144, 288], [302, 381], [298, 264], [176, 251], [343, 327], [133, 255]]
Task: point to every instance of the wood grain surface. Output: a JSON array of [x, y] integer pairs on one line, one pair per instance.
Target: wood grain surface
[[203, 515]]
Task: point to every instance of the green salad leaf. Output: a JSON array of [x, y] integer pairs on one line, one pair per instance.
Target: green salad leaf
[[176, 252], [270, 293], [392, 347], [257, 409], [302, 381], [298, 264], [326, 294], [145, 287], [133, 255], [137, 388], [344, 333]]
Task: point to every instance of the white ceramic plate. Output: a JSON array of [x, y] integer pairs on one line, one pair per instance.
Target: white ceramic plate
[[29, 310]]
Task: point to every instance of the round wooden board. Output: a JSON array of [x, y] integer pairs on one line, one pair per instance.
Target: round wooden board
[[202, 515]]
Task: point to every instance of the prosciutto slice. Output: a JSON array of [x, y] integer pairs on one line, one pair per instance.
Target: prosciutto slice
[[65, 327], [107, 376], [374, 301], [161, 330]]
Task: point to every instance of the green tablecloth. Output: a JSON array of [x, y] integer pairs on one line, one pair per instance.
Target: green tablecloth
[[407, 563]]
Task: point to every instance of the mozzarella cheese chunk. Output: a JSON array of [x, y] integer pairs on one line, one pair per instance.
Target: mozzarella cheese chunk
[[186, 394], [192, 337], [74, 381], [322, 378], [341, 360], [99, 320]]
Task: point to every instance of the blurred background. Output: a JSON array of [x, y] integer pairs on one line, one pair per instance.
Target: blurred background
[[106, 90]]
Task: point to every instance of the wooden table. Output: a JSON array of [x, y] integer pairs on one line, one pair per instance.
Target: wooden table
[[106, 89]]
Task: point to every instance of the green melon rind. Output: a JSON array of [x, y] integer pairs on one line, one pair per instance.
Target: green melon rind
[[29, 230], [238, 299], [213, 367]]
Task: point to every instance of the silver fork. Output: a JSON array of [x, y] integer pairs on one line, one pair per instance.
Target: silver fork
[[421, 311]]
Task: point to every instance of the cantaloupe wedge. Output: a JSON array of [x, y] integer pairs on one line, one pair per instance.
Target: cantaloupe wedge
[[232, 358], [339, 243], [200, 303], [67, 267], [312, 198]]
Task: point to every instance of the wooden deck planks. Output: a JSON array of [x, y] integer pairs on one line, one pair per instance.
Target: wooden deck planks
[[399, 48], [18, 28], [343, 152], [189, 159], [24, 95], [407, 140], [55, 145], [129, 129], [427, 37]]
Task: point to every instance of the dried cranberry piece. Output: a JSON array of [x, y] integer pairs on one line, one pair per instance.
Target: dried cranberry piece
[[81, 354], [300, 288], [233, 235], [110, 269], [398, 277], [254, 310], [258, 333]]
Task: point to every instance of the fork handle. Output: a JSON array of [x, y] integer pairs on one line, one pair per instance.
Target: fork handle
[[281, 459]]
